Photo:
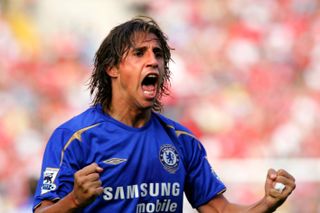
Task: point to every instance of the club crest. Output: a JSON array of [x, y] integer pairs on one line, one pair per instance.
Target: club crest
[[49, 176], [169, 158]]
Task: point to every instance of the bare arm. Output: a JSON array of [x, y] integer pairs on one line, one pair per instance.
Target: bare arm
[[269, 203], [87, 186]]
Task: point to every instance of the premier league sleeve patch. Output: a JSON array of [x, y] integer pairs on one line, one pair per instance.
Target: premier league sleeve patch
[[49, 176], [169, 158]]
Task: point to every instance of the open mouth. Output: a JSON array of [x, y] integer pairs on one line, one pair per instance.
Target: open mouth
[[149, 84]]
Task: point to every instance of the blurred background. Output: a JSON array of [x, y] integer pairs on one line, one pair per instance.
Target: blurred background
[[246, 81]]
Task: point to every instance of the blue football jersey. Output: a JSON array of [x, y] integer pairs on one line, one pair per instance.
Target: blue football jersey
[[145, 169]]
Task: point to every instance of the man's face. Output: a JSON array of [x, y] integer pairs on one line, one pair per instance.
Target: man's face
[[140, 72]]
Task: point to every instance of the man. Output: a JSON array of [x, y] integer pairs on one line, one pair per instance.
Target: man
[[121, 155]]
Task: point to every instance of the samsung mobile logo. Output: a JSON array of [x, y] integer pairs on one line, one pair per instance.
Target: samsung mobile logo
[[141, 190]]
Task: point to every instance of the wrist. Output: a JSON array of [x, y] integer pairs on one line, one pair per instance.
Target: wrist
[[261, 206], [74, 202]]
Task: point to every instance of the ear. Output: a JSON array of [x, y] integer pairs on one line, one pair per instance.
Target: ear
[[113, 72]]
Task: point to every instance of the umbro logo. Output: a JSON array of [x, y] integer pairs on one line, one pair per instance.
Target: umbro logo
[[114, 161]]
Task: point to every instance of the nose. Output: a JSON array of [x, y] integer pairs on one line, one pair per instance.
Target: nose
[[152, 60]]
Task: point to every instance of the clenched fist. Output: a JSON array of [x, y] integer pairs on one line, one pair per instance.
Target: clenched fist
[[87, 185], [279, 185]]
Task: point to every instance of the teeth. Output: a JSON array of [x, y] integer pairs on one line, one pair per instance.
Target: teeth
[[147, 92], [152, 76]]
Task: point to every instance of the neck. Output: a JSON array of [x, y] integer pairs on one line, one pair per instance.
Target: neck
[[133, 118]]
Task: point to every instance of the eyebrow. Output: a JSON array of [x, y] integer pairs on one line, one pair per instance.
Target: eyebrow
[[139, 48], [144, 48]]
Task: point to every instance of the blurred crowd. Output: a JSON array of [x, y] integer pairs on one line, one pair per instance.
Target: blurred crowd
[[245, 80], [249, 74]]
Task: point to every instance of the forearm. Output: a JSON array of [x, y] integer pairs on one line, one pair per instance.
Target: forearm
[[220, 205], [65, 205], [261, 206], [258, 207]]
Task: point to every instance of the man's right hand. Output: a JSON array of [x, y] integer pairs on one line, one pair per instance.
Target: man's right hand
[[87, 185]]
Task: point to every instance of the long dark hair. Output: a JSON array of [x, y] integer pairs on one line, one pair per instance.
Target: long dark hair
[[111, 51]]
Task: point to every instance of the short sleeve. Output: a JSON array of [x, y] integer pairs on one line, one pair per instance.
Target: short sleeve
[[58, 167], [202, 183]]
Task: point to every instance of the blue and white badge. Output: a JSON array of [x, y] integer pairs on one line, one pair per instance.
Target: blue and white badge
[[169, 158], [49, 175]]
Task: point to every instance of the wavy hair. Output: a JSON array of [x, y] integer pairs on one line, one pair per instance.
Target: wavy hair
[[112, 50]]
